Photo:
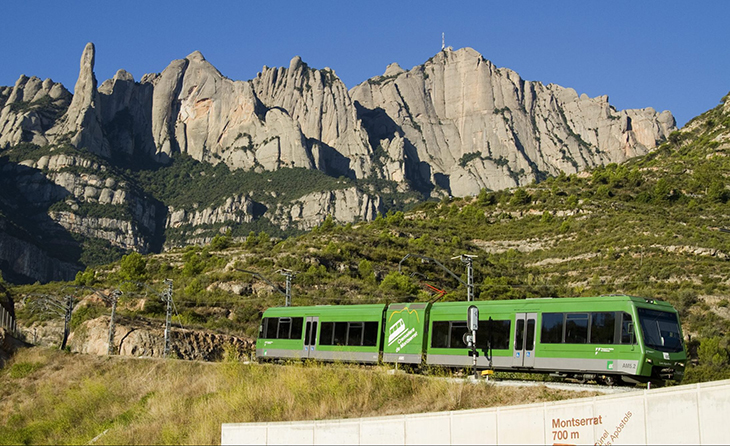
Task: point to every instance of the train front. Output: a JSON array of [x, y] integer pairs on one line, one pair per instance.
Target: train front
[[664, 354]]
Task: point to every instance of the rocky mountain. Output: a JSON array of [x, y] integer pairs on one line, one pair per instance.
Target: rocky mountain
[[185, 154], [463, 124]]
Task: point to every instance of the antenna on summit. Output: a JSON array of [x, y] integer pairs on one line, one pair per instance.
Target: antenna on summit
[[443, 42]]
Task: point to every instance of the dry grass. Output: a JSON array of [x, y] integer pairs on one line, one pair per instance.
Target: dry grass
[[55, 397]]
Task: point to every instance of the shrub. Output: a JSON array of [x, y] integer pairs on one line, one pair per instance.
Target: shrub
[[398, 285], [132, 267]]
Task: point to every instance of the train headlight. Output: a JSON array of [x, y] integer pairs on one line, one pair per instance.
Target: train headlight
[[649, 361]]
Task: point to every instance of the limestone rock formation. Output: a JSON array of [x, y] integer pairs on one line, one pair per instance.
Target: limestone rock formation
[[126, 115], [319, 102], [344, 205], [82, 121], [29, 109], [195, 110], [23, 261], [236, 209], [145, 338], [467, 124], [452, 126], [49, 180]]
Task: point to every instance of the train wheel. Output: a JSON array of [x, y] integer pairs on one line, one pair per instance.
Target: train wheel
[[609, 380]]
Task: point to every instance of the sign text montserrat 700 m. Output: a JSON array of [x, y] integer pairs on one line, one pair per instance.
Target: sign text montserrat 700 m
[[584, 429]]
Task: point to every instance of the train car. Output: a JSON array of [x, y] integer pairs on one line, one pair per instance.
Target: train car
[[326, 333], [583, 338], [607, 338], [406, 332]]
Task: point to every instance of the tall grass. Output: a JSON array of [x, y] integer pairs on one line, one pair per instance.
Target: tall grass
[[64, 398]]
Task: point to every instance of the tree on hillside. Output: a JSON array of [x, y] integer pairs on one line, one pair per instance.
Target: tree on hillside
[[132, 267]]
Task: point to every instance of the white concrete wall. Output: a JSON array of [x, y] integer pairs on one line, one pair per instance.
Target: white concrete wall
[[690, 414]]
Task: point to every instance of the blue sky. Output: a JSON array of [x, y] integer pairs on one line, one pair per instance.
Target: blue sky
[[668, 55]]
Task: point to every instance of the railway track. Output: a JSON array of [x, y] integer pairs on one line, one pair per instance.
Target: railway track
[[563, 386]]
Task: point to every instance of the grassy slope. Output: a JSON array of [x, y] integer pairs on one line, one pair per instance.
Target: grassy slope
[[60, 398]]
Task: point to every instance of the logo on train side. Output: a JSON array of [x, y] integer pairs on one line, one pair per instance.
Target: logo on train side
[[399, 332], [396, 330]]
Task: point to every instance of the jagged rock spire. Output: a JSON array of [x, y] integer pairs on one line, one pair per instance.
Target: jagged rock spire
[[83, 118]]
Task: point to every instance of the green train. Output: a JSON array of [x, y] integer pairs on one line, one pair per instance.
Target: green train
[[583, 338]]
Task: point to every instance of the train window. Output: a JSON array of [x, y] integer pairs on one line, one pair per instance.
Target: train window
[[268, 328], [347, 333], [284, 328], [340, 337], [496, 332], [354, 333], [296, 328], [576, 328], [314, 333], [530, 336], [519, 334], [440, 334], [308, 334], [456, 337], [552, 328], [660, 330], [603, 328], [326, 331], [370, 337], [626, 334], [450, 334], [272, 327]]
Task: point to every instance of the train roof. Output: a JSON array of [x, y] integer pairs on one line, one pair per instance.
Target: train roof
[[323, 309], [531, 302]]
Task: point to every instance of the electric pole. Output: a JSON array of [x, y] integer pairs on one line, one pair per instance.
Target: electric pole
[[167, 298], [468, 260], [288, 274], [113, 299]]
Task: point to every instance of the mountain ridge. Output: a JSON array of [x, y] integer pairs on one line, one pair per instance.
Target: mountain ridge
[[451, 126]]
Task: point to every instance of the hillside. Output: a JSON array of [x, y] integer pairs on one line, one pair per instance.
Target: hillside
[[55, 397], [177, 157], [654, 226]]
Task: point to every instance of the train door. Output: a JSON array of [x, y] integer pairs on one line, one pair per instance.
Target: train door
[[310, 336], [524, 341]]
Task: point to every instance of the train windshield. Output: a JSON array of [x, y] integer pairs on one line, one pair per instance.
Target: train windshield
[[660, 330]]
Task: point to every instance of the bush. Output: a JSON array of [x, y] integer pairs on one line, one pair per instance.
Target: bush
[[132, 267], [398, 285], [520, 197]]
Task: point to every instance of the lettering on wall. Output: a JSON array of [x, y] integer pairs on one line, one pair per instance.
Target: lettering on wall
[[572, 430], [560, 425], [609, 438]]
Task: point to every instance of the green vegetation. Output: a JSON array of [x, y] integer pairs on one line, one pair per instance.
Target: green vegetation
[[468, 157], [187, 182], [61, 398], [45, 107]]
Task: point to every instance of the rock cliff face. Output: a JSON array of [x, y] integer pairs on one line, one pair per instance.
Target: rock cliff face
[[463, 124], [454, 125], [343, 205], [320, 104], [30, 109], [82, 120], [148, 340], [195, 110]]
